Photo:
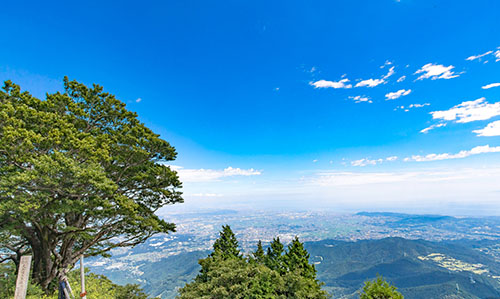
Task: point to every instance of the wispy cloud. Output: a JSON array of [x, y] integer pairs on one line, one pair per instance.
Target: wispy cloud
[[497, 55], [436, 71], [469, 111], [492, 129], [207, 175], [375, 82], [365, 161], [370, 82], [474, 57], [386, 63], [401, 79], [462, 154], [411, 106], [491, 85], [138, 100], [389, 73], [361, 99], [331, 84], [339, 179], [426, 130], [397, 94]]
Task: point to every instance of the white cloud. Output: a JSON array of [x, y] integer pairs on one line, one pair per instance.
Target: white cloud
[[387, 62], [339, 179], [315, 160], [331, 84], [401, 79], [397, 94], [361, 99], [436, 71], [375, 82], [365, 162], [462, 154], [469, 111], [426, 130], [418, 105], [492, 129], [497, 55], [474, 57], [138, 100], [207, 175], [370, 82], [389, 73], [491, 85]]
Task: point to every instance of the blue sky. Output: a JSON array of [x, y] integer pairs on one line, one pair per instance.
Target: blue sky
[[344, 105]]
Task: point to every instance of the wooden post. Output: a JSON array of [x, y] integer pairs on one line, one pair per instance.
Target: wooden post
[[82, 278], [23, 277], [68, 290]]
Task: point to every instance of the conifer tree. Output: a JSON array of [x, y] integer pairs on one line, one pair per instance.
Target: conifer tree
[[274, 258], [380, 289], [259, 256], [226, 246], [296, 259]]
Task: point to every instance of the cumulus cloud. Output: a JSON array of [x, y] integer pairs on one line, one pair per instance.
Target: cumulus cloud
[[436, 71], [426, 130], [397, 94], [491, 85], [474, 57], [469, 111], [361, 99], [462, 154], [207, 175], [391, 159], [331, 84], [492, 129]]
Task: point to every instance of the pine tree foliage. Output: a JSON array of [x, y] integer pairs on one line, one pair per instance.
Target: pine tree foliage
[[79, 174], [296, 259], [274, 258], [259, 255], [380, 289], [232, 276], [226, 245]]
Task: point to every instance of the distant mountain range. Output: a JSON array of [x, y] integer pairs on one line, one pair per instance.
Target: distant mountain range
[[420, 269], [459, 259]]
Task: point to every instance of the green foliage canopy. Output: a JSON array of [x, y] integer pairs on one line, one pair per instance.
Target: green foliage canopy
[[79, 174], [380, 289], [225, 274], [96, 286]]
